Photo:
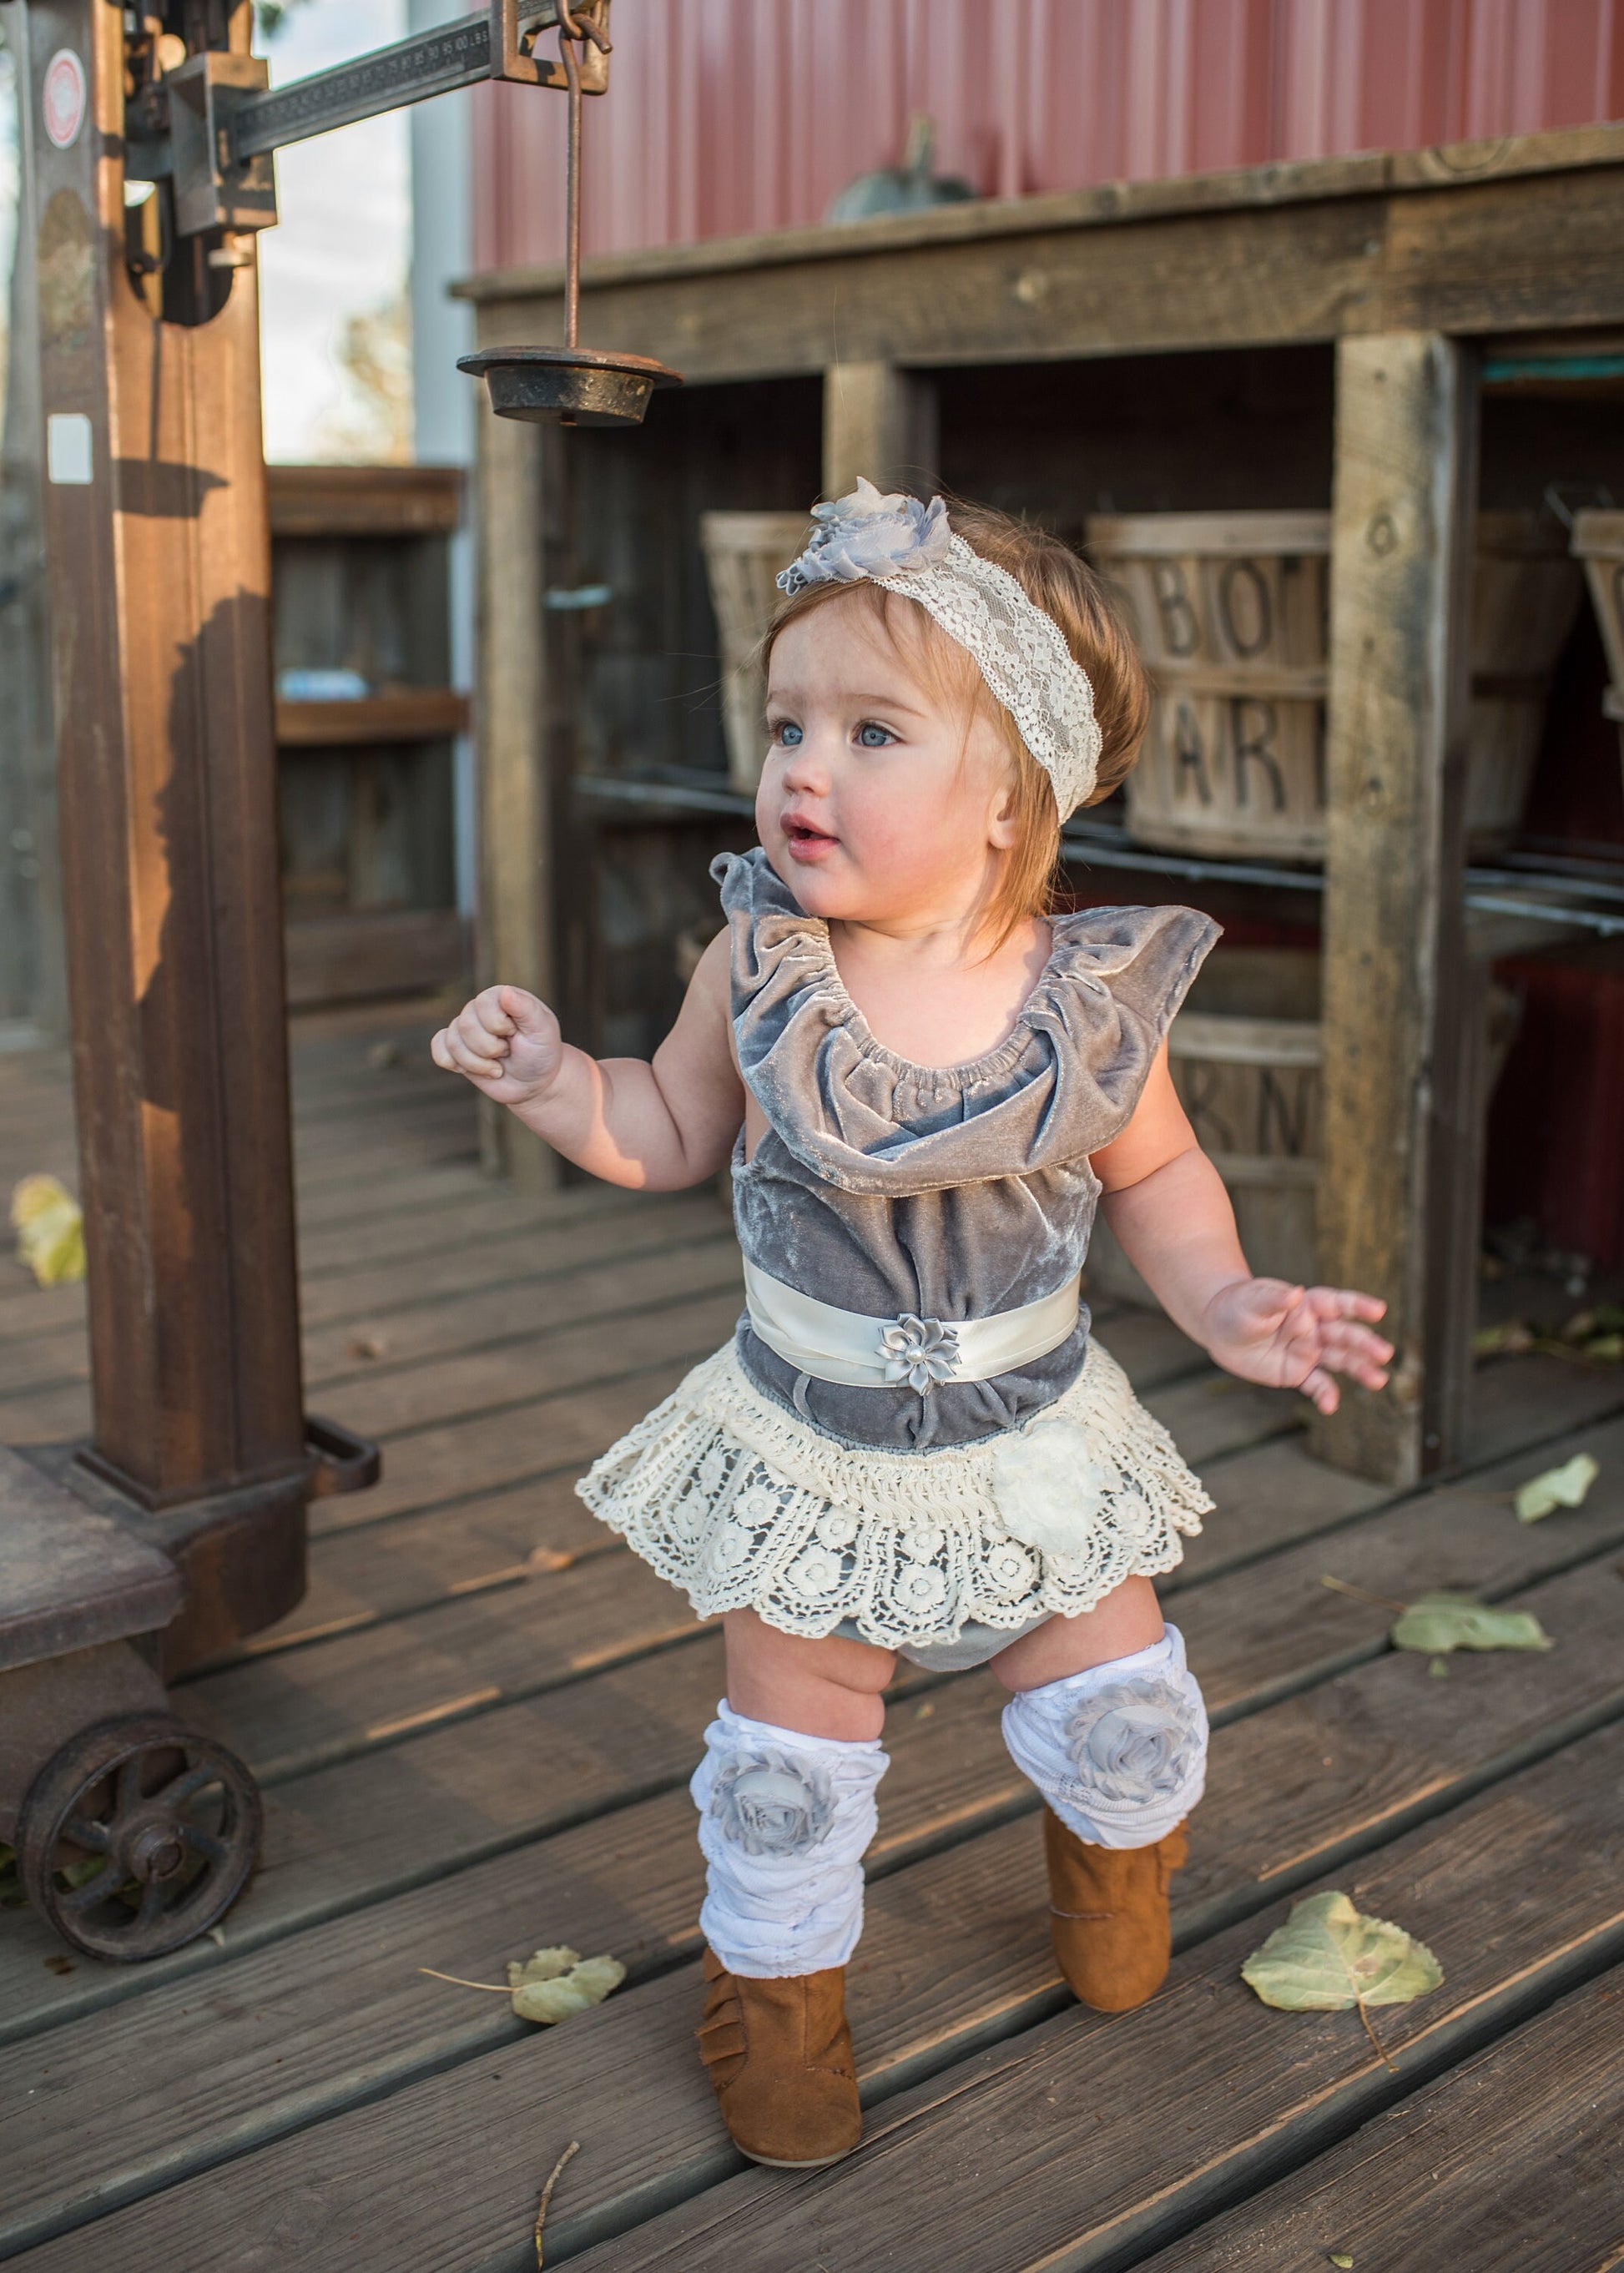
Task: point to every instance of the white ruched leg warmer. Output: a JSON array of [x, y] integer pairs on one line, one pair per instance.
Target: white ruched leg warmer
[[1120, 1751], [784, 1819]]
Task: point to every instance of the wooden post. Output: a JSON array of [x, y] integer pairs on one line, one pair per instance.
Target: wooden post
[[1401, 1162], [879, 422], [159, 553], [516, 927]]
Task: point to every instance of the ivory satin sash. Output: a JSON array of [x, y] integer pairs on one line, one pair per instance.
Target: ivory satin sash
[[862, 1352]]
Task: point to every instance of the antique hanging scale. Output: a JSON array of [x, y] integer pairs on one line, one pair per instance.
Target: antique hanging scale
[[571, 385]]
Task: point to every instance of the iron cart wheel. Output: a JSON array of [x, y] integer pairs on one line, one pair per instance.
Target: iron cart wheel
[[137, 1835]]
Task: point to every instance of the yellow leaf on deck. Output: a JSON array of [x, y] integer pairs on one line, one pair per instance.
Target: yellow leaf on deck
[[1563, 1486], [50, 1231]]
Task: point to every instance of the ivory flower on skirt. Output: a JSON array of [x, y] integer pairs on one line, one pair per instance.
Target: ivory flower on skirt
[[1050, 1488]]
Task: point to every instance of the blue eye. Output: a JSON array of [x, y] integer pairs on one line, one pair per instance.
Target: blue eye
[[870, 736], [786, 736]]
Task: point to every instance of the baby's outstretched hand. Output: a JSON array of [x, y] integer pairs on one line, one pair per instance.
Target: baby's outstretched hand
[[1297, 1336], [506, 1041]]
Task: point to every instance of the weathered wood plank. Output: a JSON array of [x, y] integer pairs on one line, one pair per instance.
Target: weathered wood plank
[[517, 943], [1508, 2163], [389, 1401], [1235, 263], [1516, 1890], [575, 1275], [993, 2144], [473, 1208], [296, 1710], [1396, 1133], [433, 1283], [952, 1769], [881, 423]]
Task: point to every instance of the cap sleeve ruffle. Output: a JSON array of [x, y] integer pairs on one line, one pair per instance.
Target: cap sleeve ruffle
[[855, 1114]]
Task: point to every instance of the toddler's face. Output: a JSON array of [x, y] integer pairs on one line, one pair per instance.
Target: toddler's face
[[881, 800]]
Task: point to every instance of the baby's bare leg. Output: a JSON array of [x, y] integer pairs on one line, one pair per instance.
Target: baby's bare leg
[[1128, 1619], [827, 1688]]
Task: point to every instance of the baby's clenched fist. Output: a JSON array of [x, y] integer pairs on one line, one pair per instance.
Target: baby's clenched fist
[[506, 1041]]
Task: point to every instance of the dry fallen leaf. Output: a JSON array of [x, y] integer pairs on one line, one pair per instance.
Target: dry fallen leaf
[[548, 1559], [50, 1231], [368, 1344], [1563, 1486], [1340, 2258], [1329, 1957], [1439, 1623], [549, 1997], [549, 1986], [1507, 1340]]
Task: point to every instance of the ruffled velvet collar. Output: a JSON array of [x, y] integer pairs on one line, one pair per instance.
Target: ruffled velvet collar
[[1063, 1083]]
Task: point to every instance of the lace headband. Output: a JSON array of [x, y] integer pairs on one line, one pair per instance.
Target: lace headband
[[907, 546]]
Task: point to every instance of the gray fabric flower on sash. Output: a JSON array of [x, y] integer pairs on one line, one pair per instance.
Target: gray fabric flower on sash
[[772, 1803], [868, 534], [1135, 1741], [920, 1351]]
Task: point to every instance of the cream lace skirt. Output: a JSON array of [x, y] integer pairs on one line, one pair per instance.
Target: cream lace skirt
[[741, 1505]]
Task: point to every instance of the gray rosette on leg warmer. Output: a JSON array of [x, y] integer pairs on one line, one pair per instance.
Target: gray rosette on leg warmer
[[1120, 1751], [784, 1819]]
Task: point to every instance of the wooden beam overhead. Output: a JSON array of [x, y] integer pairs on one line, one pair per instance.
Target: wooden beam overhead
[[1379, 244]]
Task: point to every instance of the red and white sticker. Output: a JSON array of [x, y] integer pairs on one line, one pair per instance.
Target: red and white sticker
[[64, 97]]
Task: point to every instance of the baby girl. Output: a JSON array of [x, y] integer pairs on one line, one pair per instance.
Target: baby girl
[[926, 1082]]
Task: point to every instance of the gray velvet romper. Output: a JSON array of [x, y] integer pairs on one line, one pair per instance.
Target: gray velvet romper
[[946, 1519]]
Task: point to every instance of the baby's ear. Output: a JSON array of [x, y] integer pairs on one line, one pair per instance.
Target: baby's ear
[[1003, 820]]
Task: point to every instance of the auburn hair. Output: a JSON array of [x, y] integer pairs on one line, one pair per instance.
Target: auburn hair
[[1055, 579]]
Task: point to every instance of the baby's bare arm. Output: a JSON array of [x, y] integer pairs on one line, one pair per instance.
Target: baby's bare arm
[[656, 1126], [1167, 1204]]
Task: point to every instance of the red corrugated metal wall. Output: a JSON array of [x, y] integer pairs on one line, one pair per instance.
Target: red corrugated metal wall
[[726, 117]]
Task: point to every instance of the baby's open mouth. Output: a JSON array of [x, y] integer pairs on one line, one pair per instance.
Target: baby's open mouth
[[804, 837]]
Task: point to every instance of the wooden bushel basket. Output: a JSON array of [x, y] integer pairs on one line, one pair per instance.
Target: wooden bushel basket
[[744, 552], [1231, 612], [1598, 541], [1245, 1057]]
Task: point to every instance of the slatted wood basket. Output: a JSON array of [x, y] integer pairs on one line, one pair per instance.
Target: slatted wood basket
[[1245, 1054], [1598, 541], [744, 552], [1231, 611]]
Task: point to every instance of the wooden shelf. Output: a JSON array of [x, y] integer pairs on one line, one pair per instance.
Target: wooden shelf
[[425, 714], [372, 951], [365, 500]]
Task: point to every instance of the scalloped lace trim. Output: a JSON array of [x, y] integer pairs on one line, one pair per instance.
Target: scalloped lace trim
[[734, 1499]]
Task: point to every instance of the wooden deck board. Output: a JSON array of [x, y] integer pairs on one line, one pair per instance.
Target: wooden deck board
[[1486, 2167], [1091, 2137], [1395, 1758], [480, 1753], [956, 1942]]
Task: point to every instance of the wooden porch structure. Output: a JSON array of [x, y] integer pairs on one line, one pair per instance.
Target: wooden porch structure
[[473, 1737], [1360, 300]]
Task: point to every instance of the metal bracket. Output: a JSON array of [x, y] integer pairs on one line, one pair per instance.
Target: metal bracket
[[214, 187], [512, 57]]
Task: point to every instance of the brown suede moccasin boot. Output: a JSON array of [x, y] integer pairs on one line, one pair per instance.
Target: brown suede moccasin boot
[[1108, 1914], [779, 2057]]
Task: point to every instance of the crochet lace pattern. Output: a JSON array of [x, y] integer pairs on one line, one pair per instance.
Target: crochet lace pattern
[[732, 1498]]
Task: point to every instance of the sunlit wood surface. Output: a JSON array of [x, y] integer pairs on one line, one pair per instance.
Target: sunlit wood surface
[[475, 1734]]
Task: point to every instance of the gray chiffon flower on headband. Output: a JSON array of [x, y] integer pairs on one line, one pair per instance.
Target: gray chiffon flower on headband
[[866, 535]]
